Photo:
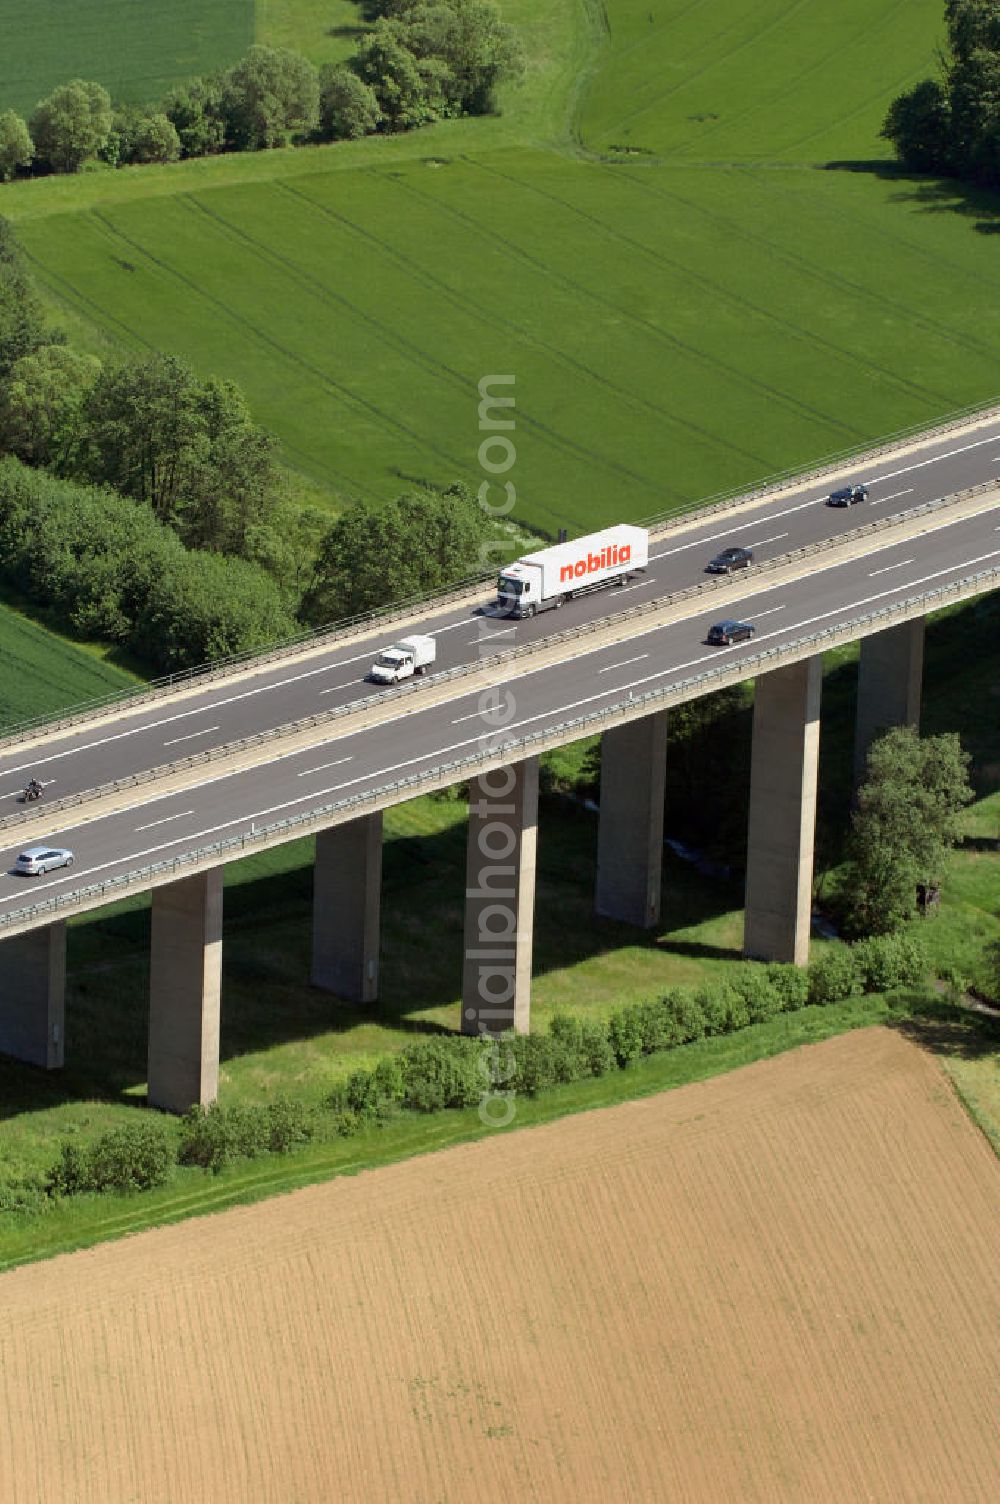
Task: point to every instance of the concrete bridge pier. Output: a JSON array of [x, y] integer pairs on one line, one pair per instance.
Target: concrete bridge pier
[[347, 899], [185, 977], [782, 822], [500, 899], [33, 996], [890, 680], [630, 829]]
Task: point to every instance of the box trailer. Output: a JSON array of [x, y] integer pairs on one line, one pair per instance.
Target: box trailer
[[545, 579], [411, 655]]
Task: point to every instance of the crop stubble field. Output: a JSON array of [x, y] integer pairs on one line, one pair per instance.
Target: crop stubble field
[[805, 1306]]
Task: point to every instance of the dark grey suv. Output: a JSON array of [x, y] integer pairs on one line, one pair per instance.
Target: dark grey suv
[[730, 559], [725, 632]]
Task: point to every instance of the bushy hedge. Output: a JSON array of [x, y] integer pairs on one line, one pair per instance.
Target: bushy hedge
[[105, 566], [216, 1136], [455, 1071], [135, 1157]]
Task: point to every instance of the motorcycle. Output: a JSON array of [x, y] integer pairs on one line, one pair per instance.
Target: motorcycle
[[32, 792]]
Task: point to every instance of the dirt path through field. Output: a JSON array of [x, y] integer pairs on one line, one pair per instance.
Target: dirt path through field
[[777, 1285]]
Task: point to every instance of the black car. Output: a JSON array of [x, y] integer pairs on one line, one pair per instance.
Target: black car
[[730, 559], [725, 632], [847, 496]]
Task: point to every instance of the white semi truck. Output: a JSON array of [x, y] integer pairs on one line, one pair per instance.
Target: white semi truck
[[411, 655], [545, 579]]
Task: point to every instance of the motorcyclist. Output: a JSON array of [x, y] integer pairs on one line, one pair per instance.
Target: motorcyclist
[[33, 790]]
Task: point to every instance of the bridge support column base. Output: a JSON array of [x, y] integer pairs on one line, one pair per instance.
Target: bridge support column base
[[782, 812], [33, 996], [630, 829], [500, 900], [890, 679], [347, 896], [185, 977]]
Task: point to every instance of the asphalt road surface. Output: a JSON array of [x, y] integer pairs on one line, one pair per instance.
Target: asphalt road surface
[[291, 689], [157, 827]]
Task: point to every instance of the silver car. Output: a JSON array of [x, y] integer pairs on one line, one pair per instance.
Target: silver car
[[37, 859]]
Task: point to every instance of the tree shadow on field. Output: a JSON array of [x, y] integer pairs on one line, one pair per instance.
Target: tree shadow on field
[[950, 1030], [934, 195]]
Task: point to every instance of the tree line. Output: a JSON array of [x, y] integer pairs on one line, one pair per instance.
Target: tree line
[[143, 505], [420, 61], [951, 124]]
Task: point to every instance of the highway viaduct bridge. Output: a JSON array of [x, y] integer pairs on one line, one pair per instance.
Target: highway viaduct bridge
[[160, 790]]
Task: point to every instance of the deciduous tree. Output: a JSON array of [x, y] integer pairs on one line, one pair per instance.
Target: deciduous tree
[[905, 825], [348, 108], [16, 146], [270, 95], [375, 555], [41, 405], [72, 124]]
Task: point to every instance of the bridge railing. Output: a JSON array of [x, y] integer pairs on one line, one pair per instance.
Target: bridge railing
[[512, 749], [705, 588], [462, 590]]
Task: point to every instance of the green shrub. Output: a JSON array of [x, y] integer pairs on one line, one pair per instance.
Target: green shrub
[[688, 1015], [658, 1025], [791, 984], [754, 985], [346, 1123], [625, 1034], [598, 1054], [534, 1063], [569, 1059], [737, 1011], [288, 1125], [887, 961], [752, 982], [70, 1174], [714, 1003], [135, 1157], [443, 1073], [216, 1136], [834, 976], [24, 1198]]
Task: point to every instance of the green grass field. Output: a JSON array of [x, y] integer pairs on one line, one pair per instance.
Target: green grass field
[[678, 323], [43, 673], [136, 50]]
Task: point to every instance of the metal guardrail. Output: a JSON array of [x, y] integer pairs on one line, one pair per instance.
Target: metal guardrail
[[222, 668], [452, 771], [414, 686], [786, 480]]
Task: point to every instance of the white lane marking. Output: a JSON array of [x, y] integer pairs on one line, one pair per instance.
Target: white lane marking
[[642, 585], [323, 766], [769, 612], [934, 460], [342, 662], [612, 666], [166, 820], [438, 752], [762, 542], [261, 689], [892, 497], [543, 715], [886, 568], [176, 740]]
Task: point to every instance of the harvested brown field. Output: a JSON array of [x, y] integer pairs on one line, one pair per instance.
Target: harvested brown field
[[777, 1285]]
